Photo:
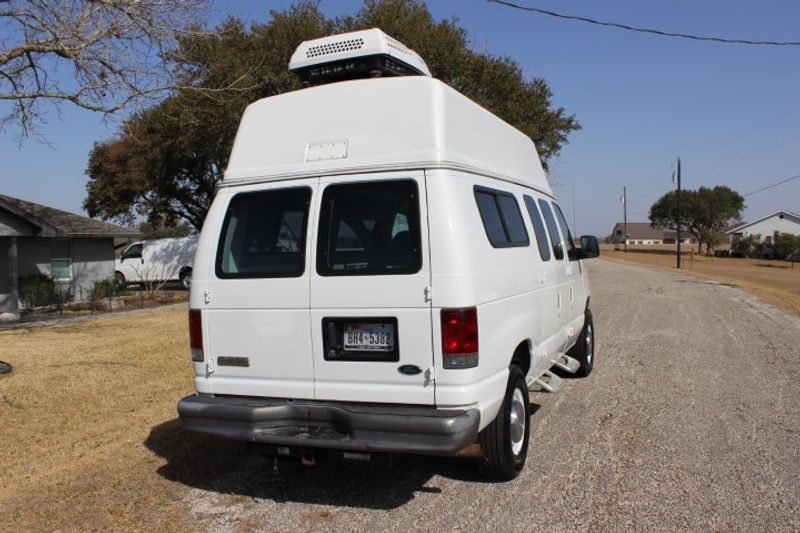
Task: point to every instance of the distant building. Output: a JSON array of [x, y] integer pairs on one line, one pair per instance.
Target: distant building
[[644, 233], [766, 227], [74, 251]]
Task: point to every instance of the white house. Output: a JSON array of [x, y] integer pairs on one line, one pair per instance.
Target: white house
[[646, 233], [780, 222]]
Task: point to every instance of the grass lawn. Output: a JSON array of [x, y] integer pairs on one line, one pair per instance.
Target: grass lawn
[[88, 431], [775, 282]]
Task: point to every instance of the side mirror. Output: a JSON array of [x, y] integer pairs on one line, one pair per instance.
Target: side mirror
[[589, 247]]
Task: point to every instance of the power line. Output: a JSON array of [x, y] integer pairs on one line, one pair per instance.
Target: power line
[[637, 205], [745, 134], [749, 156], [787, 180], [642, 30]]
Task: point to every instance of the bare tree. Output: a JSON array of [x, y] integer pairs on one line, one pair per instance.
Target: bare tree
[[100, 55]]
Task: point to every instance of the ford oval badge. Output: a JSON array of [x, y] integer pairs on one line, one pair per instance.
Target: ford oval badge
[[409, 370]]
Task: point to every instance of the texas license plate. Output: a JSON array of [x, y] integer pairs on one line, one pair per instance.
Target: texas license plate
[[368, 337]]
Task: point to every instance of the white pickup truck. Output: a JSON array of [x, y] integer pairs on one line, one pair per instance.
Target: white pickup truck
[[157, 260]]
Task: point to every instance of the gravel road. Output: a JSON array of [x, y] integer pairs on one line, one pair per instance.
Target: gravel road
[[690, 420]]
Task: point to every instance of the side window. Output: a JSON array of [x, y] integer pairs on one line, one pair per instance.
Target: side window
[[562, 223], [552, 229], [501, 218], [134, 252], [264, 235], [369, 228], [538, 228]]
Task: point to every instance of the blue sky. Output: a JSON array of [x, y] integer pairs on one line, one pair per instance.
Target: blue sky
[[731, 112]]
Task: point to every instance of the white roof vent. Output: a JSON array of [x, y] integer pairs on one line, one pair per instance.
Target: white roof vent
[[359, 54]]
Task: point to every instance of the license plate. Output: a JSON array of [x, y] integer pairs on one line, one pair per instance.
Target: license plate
[[368, 337]]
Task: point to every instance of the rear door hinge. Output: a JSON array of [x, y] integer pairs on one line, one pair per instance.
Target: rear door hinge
[[210, 367], [207, 296], [428, 294]]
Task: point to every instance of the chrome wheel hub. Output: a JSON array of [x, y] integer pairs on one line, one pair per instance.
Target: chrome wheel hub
[[517, 421]]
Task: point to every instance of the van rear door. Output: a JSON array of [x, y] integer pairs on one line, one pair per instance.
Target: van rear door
[[370, 291], [258, 293]]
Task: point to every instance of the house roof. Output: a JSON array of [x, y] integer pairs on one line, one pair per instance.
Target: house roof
[[641, 230], [740, 227], [57, 223]]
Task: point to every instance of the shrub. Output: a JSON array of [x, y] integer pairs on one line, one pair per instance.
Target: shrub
[[108, 287], [36, 290]]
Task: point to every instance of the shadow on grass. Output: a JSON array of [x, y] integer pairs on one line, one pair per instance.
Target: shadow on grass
[[227, 467]]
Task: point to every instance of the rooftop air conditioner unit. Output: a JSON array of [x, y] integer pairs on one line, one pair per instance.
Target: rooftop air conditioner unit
[[359, 54]]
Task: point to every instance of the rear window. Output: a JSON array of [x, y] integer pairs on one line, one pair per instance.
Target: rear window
[[552, 229], [369, 228], [501, 218], [538, 228], [264, 234]]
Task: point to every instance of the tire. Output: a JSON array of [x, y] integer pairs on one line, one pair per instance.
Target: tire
[[120, 277], [186, 278], [503, 451], [583, 350]]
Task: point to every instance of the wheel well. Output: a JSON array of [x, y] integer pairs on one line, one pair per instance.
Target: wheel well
[[522, 357], [184, 270]]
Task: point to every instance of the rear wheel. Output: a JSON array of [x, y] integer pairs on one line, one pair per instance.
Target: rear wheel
[[504, 442], [583, 350], [186, 278]]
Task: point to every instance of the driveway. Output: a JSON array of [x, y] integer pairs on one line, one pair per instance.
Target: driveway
[[690, 420]]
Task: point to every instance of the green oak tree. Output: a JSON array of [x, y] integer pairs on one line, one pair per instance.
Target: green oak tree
[[786, 245], [166, 162], [704, 212]]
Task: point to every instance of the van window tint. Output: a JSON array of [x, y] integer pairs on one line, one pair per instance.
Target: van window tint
[[552, 229], [369, 228], [501, 218], [264, 234], [538, 228], [490, 215], [562, 223], [134, 252]]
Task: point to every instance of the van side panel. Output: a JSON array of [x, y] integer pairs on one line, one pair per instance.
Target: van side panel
[[514, 290], [203, 268]]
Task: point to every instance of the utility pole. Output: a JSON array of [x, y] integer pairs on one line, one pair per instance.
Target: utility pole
[[625, 217], [678, 210]]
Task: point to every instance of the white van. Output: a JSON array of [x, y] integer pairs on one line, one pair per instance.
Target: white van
[[384, 269], [157, 260]]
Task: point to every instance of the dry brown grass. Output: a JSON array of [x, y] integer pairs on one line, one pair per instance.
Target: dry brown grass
[[776, 282], [85, 419]]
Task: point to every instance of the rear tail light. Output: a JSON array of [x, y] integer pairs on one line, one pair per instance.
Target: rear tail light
[[460, 337], [196, 335]]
